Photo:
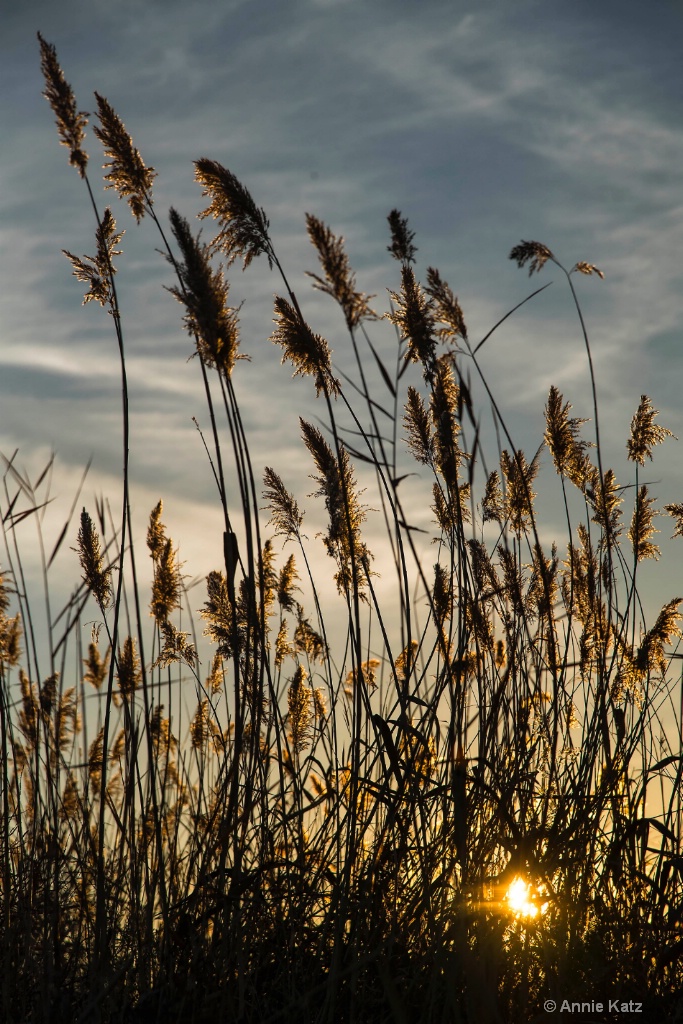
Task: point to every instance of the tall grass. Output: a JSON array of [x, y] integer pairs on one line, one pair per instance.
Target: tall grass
[[333, 834]]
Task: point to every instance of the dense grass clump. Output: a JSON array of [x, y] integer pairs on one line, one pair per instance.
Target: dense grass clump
[[445, 819]]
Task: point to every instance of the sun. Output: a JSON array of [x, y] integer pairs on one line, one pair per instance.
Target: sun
[[520, 900]]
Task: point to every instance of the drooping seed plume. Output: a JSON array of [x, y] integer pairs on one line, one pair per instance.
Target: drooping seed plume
[[534, 253], [244, 227]]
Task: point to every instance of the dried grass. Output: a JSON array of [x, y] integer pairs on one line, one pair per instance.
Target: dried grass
[[328, 833]]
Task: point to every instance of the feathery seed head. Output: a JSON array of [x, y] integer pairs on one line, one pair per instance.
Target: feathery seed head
[[59, 94], [418, 428], [286, 585], [166, 584], [268, 578], [319, 705], [367, 674], [307, 641], [95, 576], [156, 534], [534, 253], [483, 571], [4, 592], [562, 438], [217, 611], [70, 802], [308, 352], [651, 652], [128, 674], [244, 227], [68, 720], [645, 433], [493, 502], [299, 703], [96, 666], [340, 281], [10, 629], [446, 306], [676, 512], [284, 511], [519, 475], [199, 727], [10, 639], [176, 647], [214, 680], [641, 527], [588, 269], [30, 710], [47, 694], [442, 594], [98, 271], [414, 318], [451, 509], [406, 660], [444, 405], [401, 248], [204, 293], [128, 174], [338, 487], [95, 761], [283, 649], [605, 500]]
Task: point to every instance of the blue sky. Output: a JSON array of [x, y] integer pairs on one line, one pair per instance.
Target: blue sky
[[483, 123]]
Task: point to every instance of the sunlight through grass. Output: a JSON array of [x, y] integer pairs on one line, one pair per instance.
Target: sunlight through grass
[[522, 900]]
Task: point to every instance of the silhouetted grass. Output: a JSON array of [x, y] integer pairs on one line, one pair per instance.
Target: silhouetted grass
[[334, 834]]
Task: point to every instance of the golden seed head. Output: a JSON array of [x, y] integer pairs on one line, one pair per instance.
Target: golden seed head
[[339, 281], [59, 94]]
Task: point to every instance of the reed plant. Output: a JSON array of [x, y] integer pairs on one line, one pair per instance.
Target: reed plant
[[454, 813]]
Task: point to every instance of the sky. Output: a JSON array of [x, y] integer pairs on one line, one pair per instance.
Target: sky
[[484, 124]]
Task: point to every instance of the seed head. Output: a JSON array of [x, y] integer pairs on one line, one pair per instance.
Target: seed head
[[401, 248], [95, 576], [244, 227], [534, 253], [309, 353], [60, 96], [340, 281], [645, 433], [128, 174]]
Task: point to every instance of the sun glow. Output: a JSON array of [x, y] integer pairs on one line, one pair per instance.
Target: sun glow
[[520, 899]]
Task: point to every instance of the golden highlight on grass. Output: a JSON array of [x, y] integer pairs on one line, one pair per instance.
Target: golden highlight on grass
[[415, 320], [244, 227], [71, 122], [309, 353], [645, 433], [204, 293], [96, 576], [97, 271], [339, 280], [128, 175]]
